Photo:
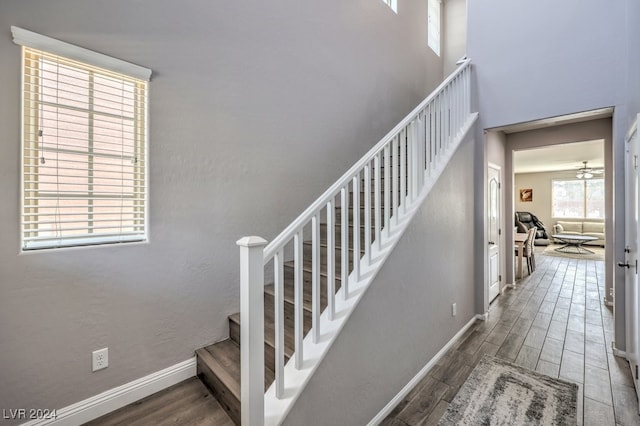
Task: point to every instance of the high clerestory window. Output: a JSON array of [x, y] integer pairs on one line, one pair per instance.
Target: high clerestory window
[[84, 133], [434, 8], [393, 4]]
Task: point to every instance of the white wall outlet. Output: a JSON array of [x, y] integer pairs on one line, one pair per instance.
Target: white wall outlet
[[454, 310], [100, 359]]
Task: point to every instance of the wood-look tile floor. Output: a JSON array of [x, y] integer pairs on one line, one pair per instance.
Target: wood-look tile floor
[[555, 323], [187, 403]]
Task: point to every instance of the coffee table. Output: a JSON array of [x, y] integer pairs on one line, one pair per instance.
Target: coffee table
[[573, 242]]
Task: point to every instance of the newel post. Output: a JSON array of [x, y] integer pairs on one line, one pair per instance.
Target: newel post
[[252, 330]]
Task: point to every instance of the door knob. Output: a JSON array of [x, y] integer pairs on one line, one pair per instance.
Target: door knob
[[624, 265], [491, 243]]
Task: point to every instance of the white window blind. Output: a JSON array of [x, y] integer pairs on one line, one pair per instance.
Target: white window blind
[[84, 153], [433, 25]]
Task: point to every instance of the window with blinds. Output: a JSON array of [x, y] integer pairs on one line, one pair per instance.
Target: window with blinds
[[84, 153]]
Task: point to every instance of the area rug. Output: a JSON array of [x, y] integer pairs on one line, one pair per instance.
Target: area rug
[[598, 252], [500, 393]]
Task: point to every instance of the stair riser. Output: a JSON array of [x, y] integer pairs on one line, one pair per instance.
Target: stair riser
[[338, 235], [230, 404], [338, 215], [307, 251], [269, 351]]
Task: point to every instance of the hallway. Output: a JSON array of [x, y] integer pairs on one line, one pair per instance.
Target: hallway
[[554, 323]]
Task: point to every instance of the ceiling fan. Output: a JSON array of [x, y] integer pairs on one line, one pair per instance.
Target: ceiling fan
[[585, 172]]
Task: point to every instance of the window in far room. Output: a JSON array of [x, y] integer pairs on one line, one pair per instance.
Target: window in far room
[[578, 199], [434, 8], [393, 4]]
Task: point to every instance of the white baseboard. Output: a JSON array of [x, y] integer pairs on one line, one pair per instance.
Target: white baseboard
[[506, 287], [617, 352], [111, 400], [483, 317], [421, 374]]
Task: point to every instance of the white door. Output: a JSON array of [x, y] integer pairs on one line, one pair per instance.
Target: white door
[[630, 262], [494, 220]]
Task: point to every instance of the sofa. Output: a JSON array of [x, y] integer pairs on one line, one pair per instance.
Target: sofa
[[589, 229], [527, 220]]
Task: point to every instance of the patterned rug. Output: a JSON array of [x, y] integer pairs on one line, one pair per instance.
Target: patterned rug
[[598, 252], [500, 393]]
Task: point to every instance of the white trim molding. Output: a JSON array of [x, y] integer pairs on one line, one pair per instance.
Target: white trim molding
[[617, 352], [28, 38], [632, 130], [421, 374], [111, 400]]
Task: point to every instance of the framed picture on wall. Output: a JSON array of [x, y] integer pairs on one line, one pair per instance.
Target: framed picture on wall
[[526, 195]]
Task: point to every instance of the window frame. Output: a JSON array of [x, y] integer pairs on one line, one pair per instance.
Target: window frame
[[585, 198], [434, 35], [98, 65]]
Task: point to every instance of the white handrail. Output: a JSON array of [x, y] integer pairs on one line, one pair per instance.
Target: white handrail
[[288, 233]]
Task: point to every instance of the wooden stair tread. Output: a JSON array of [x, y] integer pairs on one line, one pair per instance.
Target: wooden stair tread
[[270, 332], [289, 294], [224, 359]]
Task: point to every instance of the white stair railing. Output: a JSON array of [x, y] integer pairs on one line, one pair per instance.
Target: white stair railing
[[410, 157]]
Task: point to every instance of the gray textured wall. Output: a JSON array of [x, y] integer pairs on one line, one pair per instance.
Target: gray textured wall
[[255, 108], [454, 34], [404, 318]]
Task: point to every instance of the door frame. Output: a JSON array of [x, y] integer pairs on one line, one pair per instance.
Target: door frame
[[501, 225], [631, 282]]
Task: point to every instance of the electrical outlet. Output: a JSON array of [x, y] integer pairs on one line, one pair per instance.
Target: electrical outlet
[[100, 359], [454, 310]]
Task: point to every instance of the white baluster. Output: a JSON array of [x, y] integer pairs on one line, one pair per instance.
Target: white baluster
[[252, 329], [427, 138], [432, 136], [403, 170], [410, 164], [396, 175], [438, 103], [331, 269], [377, 201], [298, 294], [448, 115], [456, 106], [367, 212], [413, 159], [278, 321], [356, 225], [344, 240], [315, 278], [420, 149], [387, 191]]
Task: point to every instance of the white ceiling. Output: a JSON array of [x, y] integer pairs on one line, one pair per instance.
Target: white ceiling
[[568, 156]]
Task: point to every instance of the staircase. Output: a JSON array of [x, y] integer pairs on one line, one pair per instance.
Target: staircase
[[321, 264], [219, 364]]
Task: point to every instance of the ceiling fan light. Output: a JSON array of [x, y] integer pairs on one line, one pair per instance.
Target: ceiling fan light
[[579, 175], [588, 175]]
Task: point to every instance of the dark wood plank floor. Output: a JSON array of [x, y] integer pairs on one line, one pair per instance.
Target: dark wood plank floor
[[554, 322], [187, 403]]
